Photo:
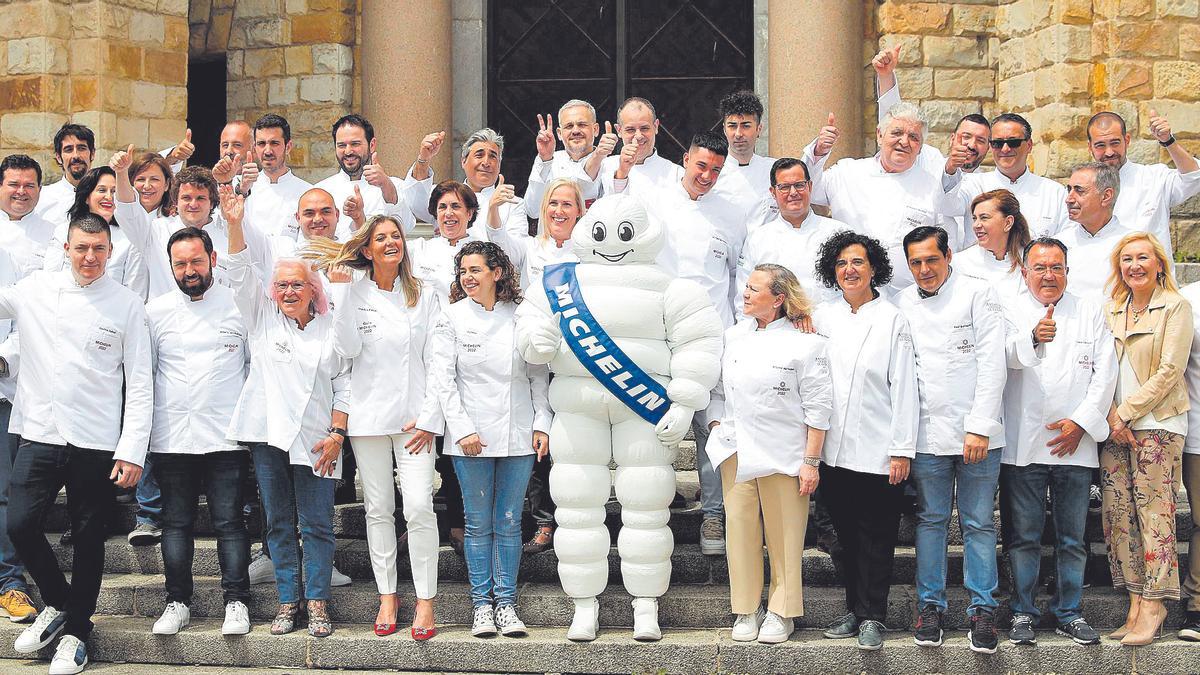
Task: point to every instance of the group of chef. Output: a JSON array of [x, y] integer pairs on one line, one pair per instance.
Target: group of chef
[[995, 329]]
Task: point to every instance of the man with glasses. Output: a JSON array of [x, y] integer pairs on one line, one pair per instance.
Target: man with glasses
[[577, 129], [1042, 200], [1091, 196], [1062, 372]]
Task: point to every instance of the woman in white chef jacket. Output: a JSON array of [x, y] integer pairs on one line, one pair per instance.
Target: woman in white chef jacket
[[1002, 233], [293, 408], [873, 430], [385, 324], [497, 417], [775, 386]]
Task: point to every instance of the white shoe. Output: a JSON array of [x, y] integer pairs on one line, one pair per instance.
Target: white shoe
[[508, 622], [775, 629], [586, 622], [237, 619], [70, 656], [645, 619], [48, 625], [175, 616], [339, 579], [262, 570], [483, 624], [745, 628]]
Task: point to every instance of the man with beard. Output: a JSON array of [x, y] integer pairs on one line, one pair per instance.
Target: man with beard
[[577, 129], [200, 357], [74, 150], [269, 202], [354, 146]]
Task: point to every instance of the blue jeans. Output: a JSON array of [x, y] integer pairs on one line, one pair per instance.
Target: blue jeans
[[12, 572], [712, 502], [1024, 490], [938, 478], [493, 490], [288, 491], [149, 497]]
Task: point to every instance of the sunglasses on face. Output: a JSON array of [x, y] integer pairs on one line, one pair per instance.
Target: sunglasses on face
[[1012, 143]]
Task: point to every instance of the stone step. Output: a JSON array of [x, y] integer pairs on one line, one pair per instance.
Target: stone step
[[123, 639], [544, 604]]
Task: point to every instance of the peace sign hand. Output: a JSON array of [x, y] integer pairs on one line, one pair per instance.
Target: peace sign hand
[[545, 138]]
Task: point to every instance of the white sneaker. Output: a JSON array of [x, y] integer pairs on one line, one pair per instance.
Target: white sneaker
[[775, 629], [745, 628], [339, 579], [586, 622], [508, 622], [645, 620], [262, 570], [175, 616], [483, 624], [237, 619], [41, 632], [70, 656]]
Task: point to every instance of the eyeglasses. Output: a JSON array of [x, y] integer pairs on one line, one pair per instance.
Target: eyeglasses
[[798, 186], [1056, 270], [285, 286], [1012, 143]]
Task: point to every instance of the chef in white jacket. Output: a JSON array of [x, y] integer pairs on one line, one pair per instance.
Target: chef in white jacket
[[1001, 233], [1148, 191], [872, 434], [776, 387], [24, 235], [480, 158], [456, 210], [85, 339], [1061, 380], [293, 409], [958, 334], [274, 194], [384, 323], [746, 178], [497, 416], [577, 129], [638, 168], [561, 208], [1092, 192]]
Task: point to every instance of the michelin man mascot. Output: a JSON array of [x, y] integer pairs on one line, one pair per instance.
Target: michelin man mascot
[[634, 354]]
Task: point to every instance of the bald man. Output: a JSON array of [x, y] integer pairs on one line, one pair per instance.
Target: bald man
[[638, 169]]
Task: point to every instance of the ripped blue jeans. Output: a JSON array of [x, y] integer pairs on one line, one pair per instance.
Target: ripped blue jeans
[[493, 491]]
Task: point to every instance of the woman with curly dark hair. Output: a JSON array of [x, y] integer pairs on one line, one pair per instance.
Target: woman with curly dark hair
[[497, 417], [874, 373]]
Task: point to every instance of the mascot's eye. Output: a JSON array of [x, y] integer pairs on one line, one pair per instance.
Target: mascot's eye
[[625, 231], [599, 232]]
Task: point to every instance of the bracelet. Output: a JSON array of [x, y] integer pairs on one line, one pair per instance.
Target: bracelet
[[337, 430], [812, 461], [1169, 142], [422, 161]]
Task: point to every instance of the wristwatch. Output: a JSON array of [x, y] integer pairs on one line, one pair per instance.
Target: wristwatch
[[336, 430], [1169, 142], [812, 461]]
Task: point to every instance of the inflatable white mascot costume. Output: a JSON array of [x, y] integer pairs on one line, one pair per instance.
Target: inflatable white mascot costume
[[641, 354]]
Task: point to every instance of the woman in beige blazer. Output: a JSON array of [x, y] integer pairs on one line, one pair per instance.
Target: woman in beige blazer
[[1140, 463]]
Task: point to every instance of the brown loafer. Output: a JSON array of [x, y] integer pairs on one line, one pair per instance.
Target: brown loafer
[[543, 540]]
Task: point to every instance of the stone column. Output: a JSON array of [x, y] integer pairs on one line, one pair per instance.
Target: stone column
[[406, 83], [816, 67]]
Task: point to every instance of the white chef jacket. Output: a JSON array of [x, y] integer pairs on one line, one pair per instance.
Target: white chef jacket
[[125, 264], [774, 387], [531, 255], [273, 205], [560, 166], [1043, 201], [513, 214], [26, 240], [796, 248], [959, 338], [884, 205], [79, 345], [1089, 258], [979, 263], [296, 378], [930, 157], [703, 243], [412, 198], [10, 343], [644, 179], [486, 388], [1072, 377], [390, 346], [149, 233], [1147, 195], [433, 259], [200, 363], [55, 200], [1191, 444], [874, 374], [749, 187]]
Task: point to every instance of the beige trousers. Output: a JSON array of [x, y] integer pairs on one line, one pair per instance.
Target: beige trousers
[[1191, 481]]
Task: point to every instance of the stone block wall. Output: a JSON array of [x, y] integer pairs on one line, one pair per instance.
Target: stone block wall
[[291, 57], [118, 66]]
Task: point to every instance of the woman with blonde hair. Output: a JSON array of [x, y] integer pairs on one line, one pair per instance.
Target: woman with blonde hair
[[562, 207], [1140, 462], [385, 323], [1001, 233], [775, 386]]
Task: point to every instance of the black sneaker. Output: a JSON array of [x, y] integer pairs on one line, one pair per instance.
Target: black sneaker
[[1190, 630], [1095, 499], [845, 627], [929, 627], [870, 635], [1079, 631], [1022, 632], [982, 637]]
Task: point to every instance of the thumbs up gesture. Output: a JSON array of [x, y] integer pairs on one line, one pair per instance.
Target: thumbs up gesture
[[352, 208], [886, 60], [374, 174], [249, 173], [1160, 128], [545, 138], [430, 145], [628, 158], [1044, 330], [121, 160], [505, 194], [827, 137], [608, 142], [183, 149], [960, 156]]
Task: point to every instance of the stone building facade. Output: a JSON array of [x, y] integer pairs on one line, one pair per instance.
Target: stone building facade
[[416, 66]]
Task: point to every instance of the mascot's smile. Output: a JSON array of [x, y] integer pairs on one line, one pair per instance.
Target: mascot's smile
[[612, 258]]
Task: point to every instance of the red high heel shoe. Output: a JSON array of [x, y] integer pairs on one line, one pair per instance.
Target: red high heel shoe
[[423, 634], [385, 629]]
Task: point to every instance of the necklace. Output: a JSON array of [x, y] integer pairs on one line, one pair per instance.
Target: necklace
[[1137, 313]]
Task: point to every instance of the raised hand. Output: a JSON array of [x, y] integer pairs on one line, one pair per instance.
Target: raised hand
[[886, 60], [183, 150], [827, 137], [339, 274], [545, 138], [374, 174], [233, 205], [628, 157], [608, 142], [504, 194], [121, 160], [249, 173], [1160, 128], [430, 145], [226, 168], [1044, 330], [960, 156], [352, 208]]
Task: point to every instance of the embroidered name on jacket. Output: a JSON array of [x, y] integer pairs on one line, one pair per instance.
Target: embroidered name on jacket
[[611, 366]]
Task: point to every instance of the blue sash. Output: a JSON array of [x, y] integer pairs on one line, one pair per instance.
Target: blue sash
[[597, 351]]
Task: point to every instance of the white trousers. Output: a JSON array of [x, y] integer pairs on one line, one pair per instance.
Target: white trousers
[[374, 455]]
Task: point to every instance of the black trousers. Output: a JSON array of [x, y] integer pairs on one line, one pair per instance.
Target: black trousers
[[450, 490], [541, 502], [40, 471], [866, 514]]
